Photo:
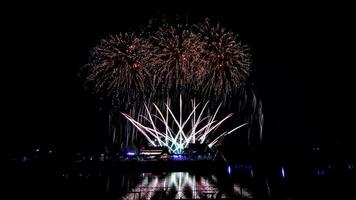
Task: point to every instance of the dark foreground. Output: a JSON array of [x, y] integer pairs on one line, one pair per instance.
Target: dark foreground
[[302, 177]]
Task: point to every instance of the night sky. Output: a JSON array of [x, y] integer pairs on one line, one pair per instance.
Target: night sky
[[301, 60]]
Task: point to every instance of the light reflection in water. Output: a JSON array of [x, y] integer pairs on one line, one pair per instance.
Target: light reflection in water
[[181, 185]]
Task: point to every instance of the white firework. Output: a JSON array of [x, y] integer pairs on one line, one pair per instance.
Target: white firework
[[176, 141]]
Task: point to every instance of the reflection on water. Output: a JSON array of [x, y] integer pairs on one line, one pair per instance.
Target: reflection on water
[[183, 185], [236, 181]]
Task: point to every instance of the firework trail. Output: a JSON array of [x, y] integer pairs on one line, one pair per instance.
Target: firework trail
[[201, 127]]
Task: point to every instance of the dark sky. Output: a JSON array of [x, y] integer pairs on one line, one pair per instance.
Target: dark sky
[[301, 60]]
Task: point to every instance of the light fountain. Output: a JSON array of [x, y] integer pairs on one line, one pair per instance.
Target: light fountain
[[161, 134]]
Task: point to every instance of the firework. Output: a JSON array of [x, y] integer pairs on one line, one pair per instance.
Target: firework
[[198, 61], [118, 67], [177, 140], [176, 57], [226, 60]]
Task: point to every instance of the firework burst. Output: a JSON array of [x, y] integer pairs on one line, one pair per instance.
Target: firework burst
[[226, 60], [118, 67], [176, 57], [200, 61]]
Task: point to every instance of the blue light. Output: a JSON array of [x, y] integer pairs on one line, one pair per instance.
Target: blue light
[[320, 172], [229, 170], [130, 153], [179, 157], [282, 172], [24, 159], [350, 166]]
